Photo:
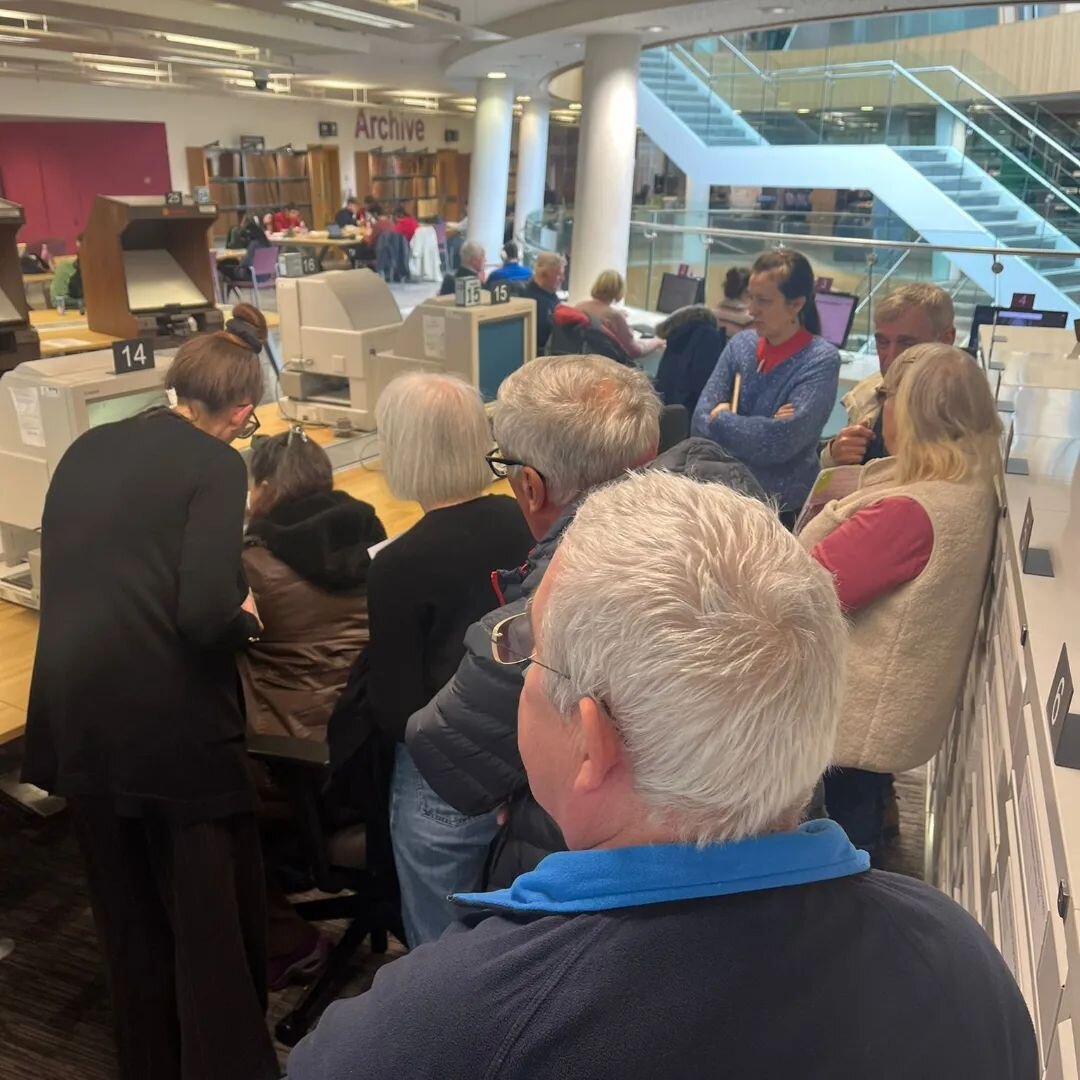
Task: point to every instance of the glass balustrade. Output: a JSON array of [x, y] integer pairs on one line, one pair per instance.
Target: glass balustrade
[[732, 94], [866, 258]]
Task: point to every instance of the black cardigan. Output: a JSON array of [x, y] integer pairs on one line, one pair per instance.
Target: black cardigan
[[425, 590], [134, 693]]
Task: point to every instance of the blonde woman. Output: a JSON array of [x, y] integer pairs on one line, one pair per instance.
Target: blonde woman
[[909, 551], [607, 291]]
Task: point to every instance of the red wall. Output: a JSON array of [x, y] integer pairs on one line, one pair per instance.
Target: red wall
[[54, 169]]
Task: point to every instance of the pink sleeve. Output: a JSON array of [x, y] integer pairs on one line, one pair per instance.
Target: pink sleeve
[[877, 550], [618, 325]]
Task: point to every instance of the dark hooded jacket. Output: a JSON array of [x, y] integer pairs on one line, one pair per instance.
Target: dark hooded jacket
[[693, 344], [307, 562], [464, 740]]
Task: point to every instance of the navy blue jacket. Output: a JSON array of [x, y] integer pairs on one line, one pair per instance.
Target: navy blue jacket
[[773, 958]]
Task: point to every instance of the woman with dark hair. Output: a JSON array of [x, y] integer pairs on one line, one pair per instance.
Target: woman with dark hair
[[732, 314], [774, 386], [135, 715], [306, 559]]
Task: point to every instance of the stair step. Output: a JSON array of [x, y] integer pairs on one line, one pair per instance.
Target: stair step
[[958, 187], [975, 201], [928, 154], [1023, 228], [943, 168], [995, 217]]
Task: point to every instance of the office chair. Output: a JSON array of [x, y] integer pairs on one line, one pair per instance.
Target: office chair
[[263, 271], [354, 861]]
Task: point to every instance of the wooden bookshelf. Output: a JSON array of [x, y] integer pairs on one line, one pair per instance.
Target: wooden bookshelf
[[426, 183], [245, 182]]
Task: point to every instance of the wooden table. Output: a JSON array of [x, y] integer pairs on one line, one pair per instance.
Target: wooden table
[[67, 333], [18, 626]]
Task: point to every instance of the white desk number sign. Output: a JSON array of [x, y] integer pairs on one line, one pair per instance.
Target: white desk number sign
[[137, 354], [467, 292]]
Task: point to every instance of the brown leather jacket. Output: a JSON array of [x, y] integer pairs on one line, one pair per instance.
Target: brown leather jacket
[[307, 566]]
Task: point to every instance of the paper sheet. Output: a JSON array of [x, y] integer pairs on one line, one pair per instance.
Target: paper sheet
[[64, 342], [434, 337], [28, 415], [831, 484]]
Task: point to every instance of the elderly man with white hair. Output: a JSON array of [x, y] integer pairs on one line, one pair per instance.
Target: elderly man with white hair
[[549, 268], [680, 702], [470, 264], [564, 425]]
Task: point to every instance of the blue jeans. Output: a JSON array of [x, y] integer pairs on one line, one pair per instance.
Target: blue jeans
[[437, 851]]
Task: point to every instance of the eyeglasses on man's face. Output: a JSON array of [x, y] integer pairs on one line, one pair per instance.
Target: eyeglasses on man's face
[[513, 641], [501, 466]]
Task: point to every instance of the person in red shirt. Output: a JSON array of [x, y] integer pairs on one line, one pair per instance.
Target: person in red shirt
[[405, 223], [383, 223], [909, 551], [289, 218]]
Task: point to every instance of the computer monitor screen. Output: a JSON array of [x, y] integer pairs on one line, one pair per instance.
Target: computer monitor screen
[[109, 410], [502, 352], [679, 291], [837, 312], [984, 316]]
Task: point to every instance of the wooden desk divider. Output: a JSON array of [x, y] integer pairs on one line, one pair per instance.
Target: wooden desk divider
[[18, 339], [146, 268]]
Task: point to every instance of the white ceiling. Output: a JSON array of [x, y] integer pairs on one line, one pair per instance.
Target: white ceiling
[[445, 47]]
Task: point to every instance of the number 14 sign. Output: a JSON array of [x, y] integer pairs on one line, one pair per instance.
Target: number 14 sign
[[137, 354]]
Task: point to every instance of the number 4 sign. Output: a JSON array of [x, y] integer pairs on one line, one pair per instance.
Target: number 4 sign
[[137, 354]]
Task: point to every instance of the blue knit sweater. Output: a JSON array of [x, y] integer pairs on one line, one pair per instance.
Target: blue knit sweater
[[782, 454]]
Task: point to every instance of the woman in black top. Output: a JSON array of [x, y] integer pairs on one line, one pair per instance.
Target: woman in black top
[[426, 588], [135, 716]]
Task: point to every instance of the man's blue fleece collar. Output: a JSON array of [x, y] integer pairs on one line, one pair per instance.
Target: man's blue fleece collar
[[570, 882]]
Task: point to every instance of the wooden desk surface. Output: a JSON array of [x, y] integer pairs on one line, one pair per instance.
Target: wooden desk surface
[[67, 333], [18, 626], [307, 240]]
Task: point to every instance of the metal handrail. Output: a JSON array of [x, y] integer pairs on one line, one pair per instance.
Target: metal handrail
[[857, 68], [855, 242]]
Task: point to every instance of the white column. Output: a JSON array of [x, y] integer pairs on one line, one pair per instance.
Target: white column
[[697, 217], [531, 164], [490, 166], [605, 179]]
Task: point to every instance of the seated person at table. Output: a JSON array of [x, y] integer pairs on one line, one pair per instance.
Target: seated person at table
[[774, 386], [267, 222], [346, 216], [547, 278], [607, 291], [67, 279], [909, 551], [471, 264], [405, 223], [251, 236], [910, 315], [289, 220], [733, 313], [424, 590], [383, 222], [694, 929], [306, 560], [511, 269]]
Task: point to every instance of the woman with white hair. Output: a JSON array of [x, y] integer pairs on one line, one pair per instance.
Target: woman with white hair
[[431, 583], [909, 551]]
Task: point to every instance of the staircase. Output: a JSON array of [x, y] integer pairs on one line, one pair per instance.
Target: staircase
[[708, 116], [1009, 220], [937, 190]]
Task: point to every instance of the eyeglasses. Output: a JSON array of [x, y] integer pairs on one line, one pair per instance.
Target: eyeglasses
[[501, 466], [251, 425], [513, 641]]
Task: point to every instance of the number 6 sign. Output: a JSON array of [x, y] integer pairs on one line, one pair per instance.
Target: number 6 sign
[[1064, 726]]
